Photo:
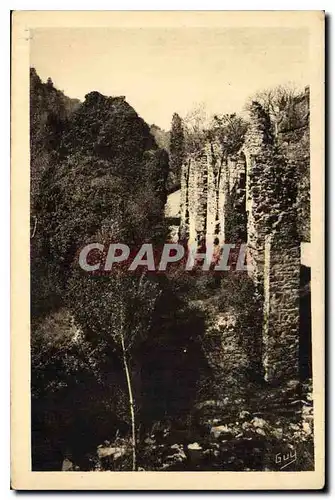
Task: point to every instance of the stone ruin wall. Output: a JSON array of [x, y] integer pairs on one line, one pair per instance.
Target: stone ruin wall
[[208, 181], [203, 189], [280, 332], [274, 246]]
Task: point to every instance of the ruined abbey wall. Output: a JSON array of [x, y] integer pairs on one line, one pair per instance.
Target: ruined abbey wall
[[203, 191], [209, 184], [252, 197]]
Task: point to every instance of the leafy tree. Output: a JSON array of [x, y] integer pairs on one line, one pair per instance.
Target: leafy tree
[[77, 393], [162, 137], [117, 312], [283, 113], [230, 130]]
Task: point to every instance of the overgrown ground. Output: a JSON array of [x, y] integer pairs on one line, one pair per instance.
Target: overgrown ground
[[274, 429], [236, 422]]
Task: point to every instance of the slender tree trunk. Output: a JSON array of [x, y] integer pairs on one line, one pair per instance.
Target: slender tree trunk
[[131, 402]]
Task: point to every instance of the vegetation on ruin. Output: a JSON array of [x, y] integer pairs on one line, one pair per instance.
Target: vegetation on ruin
[[152, 372]]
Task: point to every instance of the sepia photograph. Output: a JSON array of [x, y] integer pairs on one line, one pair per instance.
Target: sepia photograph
[[170, 225]]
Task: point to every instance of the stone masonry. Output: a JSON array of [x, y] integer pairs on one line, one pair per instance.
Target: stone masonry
[[258, 189]]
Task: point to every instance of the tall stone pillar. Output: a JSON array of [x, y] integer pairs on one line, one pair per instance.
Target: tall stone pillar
[[194, 199], [211, 195], [280, 329], [184, 202], [273, 248]]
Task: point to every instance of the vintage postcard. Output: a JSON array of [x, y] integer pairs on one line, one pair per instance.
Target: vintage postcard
[[167, 218]]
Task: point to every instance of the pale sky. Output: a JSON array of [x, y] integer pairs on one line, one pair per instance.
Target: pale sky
[[162, 71]]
